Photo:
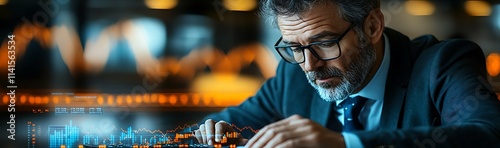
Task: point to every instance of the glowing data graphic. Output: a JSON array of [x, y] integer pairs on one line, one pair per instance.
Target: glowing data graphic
[[72, 136]]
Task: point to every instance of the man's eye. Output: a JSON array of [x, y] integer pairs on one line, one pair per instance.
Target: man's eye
[[296, 49], [326, 45]]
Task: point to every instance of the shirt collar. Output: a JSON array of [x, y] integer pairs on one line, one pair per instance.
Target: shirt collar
[[376, 87]]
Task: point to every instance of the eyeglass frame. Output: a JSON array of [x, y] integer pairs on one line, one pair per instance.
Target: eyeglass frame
[[337, 41]]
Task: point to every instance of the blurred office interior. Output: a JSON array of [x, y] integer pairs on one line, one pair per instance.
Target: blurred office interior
[[182, 58]]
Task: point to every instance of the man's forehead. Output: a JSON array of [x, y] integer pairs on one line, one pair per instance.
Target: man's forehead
[[308, 27], [323, 13]]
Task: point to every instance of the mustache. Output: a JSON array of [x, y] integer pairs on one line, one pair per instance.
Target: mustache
[[324, 72]]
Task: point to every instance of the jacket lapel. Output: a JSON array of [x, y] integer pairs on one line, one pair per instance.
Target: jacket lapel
[[324, 113], [397, 79]]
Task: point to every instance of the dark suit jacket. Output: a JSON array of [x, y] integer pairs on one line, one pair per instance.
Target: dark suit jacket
[[436, 95]]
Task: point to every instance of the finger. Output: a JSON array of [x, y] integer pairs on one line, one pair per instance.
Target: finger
[[300, 129], [270, 134], [278, 139], [297, 142], [307, 131], [261, 132], [287, 120], [210, 131], [256, 137], [220, 128], [203, 134], [242, 141], [197, 134]]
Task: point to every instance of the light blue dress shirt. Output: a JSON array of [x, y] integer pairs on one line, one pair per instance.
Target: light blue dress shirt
[[374, 92]]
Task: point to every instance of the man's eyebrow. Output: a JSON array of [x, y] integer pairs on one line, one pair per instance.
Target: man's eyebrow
[[321, 35], [315, 37], [290, 42]]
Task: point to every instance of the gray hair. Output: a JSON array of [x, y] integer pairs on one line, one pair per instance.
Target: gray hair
[[354, 11]]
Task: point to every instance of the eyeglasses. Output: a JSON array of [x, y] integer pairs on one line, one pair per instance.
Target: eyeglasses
[[324, 50]]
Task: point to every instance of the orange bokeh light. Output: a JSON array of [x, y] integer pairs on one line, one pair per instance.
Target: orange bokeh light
[[154, 98], [240, 5], [67, 100], [129, 99], [45, 100], [5, 99], [493, 64], [31, 99], [172, 99], [119, 100], [100, 100], [55, 99], [162, 99], [477, 8], [420, 7], [38, 100], [3, 2], [160, 4], [110, 100], [184, 99], [138, 99], [206, 99], [196, 99], [23, 99], [146, 98]]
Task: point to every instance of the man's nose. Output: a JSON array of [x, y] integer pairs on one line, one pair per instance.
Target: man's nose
[[311, 63]]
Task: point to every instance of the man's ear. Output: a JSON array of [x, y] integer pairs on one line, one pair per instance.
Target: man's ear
[[374, 25]]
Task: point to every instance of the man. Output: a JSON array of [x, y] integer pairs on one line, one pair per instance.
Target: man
[[368, 85]]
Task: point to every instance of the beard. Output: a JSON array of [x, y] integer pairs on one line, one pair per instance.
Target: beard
[[350, 80]]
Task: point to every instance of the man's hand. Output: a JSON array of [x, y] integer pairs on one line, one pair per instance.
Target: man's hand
[[296, 131], [211, 133]]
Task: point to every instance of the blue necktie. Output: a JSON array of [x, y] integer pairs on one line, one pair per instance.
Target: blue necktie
[[352, 107]]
